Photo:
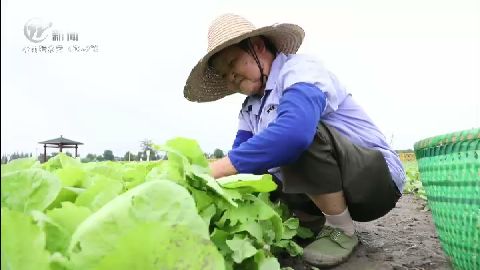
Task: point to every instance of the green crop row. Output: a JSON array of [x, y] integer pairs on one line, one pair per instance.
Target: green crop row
[[413, 184], [171, 214]]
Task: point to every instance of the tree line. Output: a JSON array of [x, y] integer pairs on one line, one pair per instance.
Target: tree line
[[109, 155]]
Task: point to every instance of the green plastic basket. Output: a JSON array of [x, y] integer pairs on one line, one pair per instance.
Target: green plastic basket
[[449, 168]]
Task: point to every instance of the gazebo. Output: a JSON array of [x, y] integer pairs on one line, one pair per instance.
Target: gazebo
[[59, 143]]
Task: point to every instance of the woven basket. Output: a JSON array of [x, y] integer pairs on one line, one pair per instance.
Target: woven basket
[[449, 168]]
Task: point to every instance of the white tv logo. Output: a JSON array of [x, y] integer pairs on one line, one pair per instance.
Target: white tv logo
[[35, 30]]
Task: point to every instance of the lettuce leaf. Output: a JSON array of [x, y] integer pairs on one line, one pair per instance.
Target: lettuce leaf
[[19, 164], [159, 202], [249, 182], [30, 189], [23, 243]]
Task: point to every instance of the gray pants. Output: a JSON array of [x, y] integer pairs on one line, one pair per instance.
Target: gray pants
[[331, 164]]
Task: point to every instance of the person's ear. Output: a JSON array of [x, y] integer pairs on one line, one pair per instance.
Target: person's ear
[[258, 44]]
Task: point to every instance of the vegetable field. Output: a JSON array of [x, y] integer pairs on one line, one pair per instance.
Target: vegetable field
[[141, 215], [67, 215]]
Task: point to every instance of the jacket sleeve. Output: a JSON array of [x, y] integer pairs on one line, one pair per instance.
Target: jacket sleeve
[[284, 140]]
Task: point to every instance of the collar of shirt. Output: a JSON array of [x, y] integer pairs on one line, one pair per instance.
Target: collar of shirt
[[275, 71], [254, 103]]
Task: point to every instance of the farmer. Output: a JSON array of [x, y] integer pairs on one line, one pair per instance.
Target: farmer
[[301, 125]]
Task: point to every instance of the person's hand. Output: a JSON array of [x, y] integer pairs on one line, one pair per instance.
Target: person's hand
[[222, 167]]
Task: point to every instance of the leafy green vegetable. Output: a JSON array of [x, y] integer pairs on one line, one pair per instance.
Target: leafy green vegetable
[[168, 170], [293, 248], [70, 176], [69, 216], [23, 243], [155, 201], [157, 245], [189, 149], [413, 184], [290, 227], [304, 233], [250, 183], [19, 164], [241, 247], [30, 189], [99, 193], [266, 262], [170, 214], [57, 237], [60, 223], [60, 161]]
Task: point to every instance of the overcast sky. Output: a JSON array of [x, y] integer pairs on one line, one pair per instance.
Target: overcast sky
[[413, 65]]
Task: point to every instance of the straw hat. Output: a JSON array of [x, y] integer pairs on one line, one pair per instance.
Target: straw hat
[[204, 84]]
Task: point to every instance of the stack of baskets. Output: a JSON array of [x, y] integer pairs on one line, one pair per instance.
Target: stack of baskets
[[449, 168]]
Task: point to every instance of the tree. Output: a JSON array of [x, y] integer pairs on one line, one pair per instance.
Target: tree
[[218, 153], [108, 155], [14, 156], [140, 156], [146, 144], [89, 158], [128, 156]]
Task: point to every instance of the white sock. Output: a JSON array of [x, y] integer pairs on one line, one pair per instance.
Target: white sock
[[342, 221]]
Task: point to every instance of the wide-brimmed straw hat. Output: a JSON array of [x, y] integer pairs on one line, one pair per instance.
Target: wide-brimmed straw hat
[[204, 84]]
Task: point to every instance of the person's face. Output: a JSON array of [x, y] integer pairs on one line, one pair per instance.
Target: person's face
[[239, 69]]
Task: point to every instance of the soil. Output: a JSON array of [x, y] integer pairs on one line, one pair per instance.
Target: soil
[[405, 238]]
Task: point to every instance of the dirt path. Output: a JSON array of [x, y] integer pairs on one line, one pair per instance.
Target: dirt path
[[403, 239]]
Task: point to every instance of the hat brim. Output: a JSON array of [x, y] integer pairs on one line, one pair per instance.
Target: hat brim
[[205, 85]]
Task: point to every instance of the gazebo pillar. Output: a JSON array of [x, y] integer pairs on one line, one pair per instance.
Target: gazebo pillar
[[76, 148], [44, 153]]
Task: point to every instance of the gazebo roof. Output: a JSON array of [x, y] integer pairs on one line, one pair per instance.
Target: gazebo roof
[[61, 140]]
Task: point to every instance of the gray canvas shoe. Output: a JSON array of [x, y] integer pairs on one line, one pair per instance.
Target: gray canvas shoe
[[332, 247]]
